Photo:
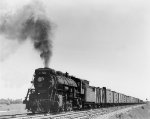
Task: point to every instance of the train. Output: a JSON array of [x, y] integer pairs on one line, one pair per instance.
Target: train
[[54, 91]]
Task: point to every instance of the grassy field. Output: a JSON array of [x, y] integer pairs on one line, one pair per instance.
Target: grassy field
[[137, 113], [12, 109]]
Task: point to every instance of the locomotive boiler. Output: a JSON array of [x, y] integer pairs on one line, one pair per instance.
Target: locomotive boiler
[[53, 91]]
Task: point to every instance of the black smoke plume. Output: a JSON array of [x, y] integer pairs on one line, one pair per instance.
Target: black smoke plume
[[30, 22]]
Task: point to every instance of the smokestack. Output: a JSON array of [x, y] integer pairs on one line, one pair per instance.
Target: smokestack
[[30, 22]]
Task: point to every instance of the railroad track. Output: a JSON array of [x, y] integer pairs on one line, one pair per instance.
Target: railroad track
[[88, 114]]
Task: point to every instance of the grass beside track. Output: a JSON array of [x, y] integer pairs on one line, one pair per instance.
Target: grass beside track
[[142, 112], [12, 109]]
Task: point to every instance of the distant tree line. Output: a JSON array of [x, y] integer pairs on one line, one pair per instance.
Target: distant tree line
[[10, 101]]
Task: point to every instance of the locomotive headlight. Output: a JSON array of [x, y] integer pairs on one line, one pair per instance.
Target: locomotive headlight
[[40, 79]]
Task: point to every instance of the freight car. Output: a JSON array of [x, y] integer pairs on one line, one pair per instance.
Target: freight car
[[55, 91]]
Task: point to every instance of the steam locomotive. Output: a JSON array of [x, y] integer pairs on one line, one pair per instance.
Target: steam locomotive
[[55, 91]]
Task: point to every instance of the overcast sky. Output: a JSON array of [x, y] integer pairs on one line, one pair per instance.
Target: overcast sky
[[106, 42]]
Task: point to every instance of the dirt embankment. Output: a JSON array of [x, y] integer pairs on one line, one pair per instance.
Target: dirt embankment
[[142, 112]]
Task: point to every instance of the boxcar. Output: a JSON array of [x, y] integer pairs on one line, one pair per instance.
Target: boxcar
[[128, 99], [121, 99], [90, 94], [115, 98], [124, 99], [109, 97], [103, 96], [98, 96]]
